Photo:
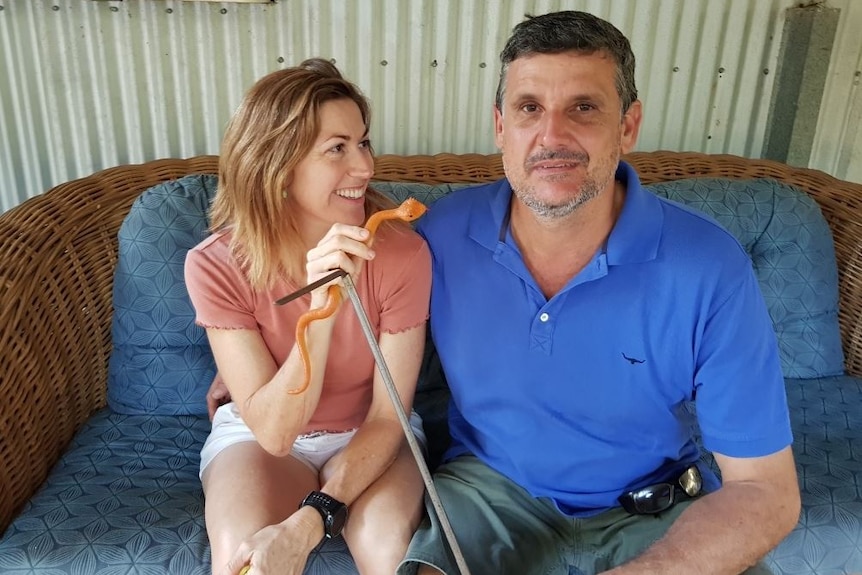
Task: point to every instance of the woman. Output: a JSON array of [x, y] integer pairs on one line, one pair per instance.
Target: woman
[[281, 466]]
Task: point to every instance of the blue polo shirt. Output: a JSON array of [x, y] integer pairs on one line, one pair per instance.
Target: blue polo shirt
[[582, 396]]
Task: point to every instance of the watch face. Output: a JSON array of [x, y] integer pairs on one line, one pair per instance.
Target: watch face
[[336, 521], [334, 512]]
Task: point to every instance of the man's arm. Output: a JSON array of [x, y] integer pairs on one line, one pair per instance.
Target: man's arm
[[729, 530]]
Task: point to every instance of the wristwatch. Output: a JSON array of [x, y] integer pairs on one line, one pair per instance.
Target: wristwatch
[[333, 511]]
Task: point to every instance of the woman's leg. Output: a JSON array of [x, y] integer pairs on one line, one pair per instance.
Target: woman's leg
[[246, 489], [383, 519]]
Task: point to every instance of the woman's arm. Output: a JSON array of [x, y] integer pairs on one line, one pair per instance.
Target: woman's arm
[[375, 445], [257, 385]]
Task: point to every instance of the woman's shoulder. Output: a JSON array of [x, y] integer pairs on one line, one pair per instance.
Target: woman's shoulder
[[212, 253], [398, 241], [215, 245]]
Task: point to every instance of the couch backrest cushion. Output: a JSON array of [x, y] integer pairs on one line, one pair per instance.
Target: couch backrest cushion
[[161, 363], [790, 245], [793, 255], [425, 193]]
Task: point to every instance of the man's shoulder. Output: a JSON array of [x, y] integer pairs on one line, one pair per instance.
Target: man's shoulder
[[458, 205], [697, 229]]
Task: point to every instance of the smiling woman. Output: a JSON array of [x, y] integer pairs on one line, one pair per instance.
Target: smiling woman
[[292, 199]]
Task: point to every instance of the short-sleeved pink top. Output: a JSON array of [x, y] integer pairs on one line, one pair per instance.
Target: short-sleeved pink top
[[394, 288]]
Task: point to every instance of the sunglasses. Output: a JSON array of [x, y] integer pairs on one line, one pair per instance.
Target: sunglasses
[[654, 499]]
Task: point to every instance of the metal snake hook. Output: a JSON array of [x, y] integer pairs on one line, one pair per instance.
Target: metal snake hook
[[405, 424]]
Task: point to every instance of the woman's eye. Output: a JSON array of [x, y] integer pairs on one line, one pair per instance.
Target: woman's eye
[[337, 148], [365, 143]]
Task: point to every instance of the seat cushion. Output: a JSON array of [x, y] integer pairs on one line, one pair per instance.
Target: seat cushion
[[125, 498], [827, 429], [161, 363]]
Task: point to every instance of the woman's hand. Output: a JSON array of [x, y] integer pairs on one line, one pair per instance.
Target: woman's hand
[[343, 247], [280, 549]]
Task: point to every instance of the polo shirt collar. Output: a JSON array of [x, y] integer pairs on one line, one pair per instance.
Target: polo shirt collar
[[487, 217], [634, 238], [637, 232]]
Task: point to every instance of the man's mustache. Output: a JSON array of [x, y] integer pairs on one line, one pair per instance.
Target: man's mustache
[[565, 155]]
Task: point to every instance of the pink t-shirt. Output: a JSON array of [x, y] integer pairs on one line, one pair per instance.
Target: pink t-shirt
[[394, 288]]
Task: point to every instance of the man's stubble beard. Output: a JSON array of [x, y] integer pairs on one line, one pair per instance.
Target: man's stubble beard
[[589, 189]]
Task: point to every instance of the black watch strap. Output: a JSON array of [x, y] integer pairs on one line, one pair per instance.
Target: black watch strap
[[332, 511]]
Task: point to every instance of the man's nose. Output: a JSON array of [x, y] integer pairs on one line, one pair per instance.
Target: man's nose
[[555, 130]]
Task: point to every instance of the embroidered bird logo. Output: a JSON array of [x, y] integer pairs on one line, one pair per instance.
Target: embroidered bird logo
[[633, 360]]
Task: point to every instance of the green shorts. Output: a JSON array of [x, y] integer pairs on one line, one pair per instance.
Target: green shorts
[[503, 530]]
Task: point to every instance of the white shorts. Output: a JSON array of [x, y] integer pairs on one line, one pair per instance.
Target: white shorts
[[313, 449]]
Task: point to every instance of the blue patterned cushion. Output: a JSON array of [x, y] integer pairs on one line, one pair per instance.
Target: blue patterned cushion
[[827, 429], [425, 193], [125, 498], [161, 361], [793, 254]]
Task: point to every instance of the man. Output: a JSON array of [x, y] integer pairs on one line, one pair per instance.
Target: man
[[575, 315]]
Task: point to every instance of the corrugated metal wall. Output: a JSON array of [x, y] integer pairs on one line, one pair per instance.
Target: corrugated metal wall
[[838, 145], [88, 84]]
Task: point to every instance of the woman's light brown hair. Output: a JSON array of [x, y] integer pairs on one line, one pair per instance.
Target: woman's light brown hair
[[273, 129]]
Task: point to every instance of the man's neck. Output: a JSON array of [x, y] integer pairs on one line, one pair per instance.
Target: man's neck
[[556, 250]]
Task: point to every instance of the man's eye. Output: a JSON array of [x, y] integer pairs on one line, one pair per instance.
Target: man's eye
[[585, 107], [529, 108]]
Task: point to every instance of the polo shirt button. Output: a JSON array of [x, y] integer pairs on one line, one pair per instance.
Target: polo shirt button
[[544, 317]]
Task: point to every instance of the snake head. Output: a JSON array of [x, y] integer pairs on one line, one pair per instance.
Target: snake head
[[410, 209]]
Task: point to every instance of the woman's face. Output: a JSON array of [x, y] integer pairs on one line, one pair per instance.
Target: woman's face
[[329, 184]]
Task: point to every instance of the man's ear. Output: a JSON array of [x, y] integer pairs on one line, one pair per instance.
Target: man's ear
[[631, 127], [498, 128]]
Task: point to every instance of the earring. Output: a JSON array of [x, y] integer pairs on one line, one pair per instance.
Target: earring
[[284, 194]]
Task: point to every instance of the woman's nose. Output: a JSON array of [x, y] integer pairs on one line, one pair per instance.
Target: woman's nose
[[362, 165]]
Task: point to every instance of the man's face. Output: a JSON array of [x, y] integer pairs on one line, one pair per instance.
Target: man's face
[[562, 130]]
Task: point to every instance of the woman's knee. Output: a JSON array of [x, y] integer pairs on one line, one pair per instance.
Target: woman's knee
[[378, 554], [378, 541]]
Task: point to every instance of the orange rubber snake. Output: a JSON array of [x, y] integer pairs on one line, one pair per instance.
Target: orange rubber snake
[[408, 211]]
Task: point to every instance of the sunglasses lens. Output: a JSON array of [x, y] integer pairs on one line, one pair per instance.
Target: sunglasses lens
[[654, 499]]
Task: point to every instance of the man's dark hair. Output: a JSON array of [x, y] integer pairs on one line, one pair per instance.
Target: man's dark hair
[[571, 31]]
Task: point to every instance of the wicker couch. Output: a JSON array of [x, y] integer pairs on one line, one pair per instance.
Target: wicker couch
[[58, 254]]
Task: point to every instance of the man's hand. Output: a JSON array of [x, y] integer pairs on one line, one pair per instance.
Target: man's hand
[[217, 395]]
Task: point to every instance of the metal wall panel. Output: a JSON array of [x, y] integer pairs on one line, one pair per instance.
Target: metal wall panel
[[838, 144], [88, 84]]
